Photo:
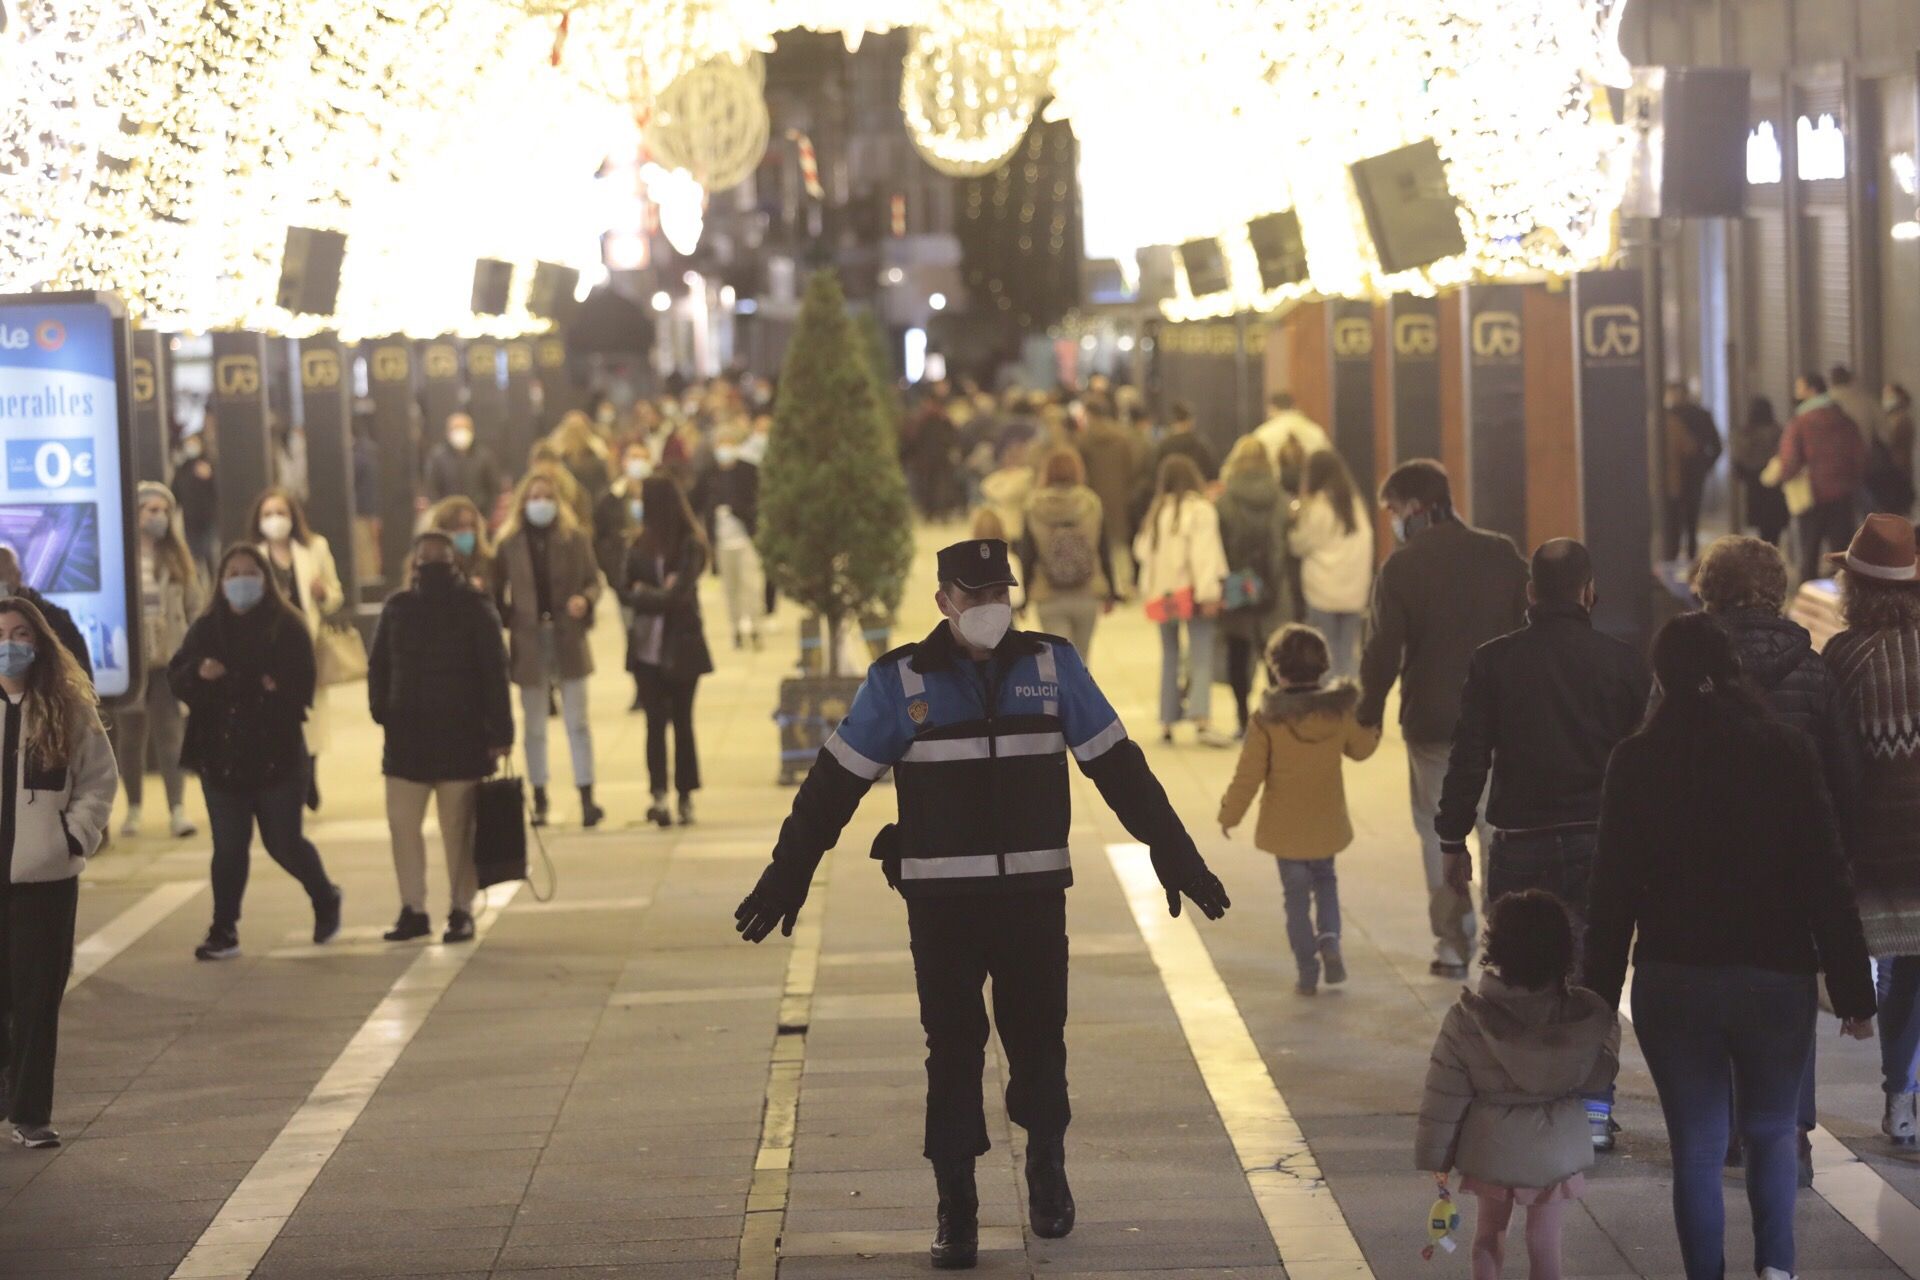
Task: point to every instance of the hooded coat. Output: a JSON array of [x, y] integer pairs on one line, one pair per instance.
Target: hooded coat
[[1253, 531], [1070, 511], [1293, 750], [1776, 656], [1503, 1096]]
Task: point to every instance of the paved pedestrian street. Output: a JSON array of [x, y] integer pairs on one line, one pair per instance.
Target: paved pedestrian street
[[611, 1083]]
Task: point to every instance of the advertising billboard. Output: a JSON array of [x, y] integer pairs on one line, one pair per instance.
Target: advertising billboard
[[66, 487]]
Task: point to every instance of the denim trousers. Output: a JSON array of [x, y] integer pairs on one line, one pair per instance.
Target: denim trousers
[[1897, 979], [1313, 910], [1711, 1033], [573, 713], [1199, 678], [231, 816], [1342, 631]]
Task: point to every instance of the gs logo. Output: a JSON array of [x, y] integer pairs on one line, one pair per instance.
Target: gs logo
[[519, 358], [482, 360], [441, 361], [1416, 336], [390, 364], [552, 354], [1496, 335], [319, 370], [1611, 332], [1353, 337], [236, 376], [143, 381]]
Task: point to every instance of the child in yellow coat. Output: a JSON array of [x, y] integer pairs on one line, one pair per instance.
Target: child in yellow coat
[[1294, 748]]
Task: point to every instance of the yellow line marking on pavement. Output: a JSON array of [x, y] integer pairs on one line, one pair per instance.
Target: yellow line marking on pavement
[[254, 1215], [1855, 1189], [99, 948], [766, 1217], [1307, 1226]]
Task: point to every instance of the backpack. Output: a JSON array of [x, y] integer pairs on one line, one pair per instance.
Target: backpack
[[1067, 555]]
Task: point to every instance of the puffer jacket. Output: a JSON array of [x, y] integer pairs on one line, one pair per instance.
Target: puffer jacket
[[1291, 756], [1776, 655], [1054, 512], [1502, 1100], [437, 682], [1253, 532]]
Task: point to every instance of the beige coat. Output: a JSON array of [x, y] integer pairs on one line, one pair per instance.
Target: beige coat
[[571, 572], [1050, 510], [1292, 756], [1503, 1096], [313, 563]]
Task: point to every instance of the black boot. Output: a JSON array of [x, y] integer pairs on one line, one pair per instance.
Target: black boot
[[1049, 1200], [956, 1244], [590, 813], [539, 806]]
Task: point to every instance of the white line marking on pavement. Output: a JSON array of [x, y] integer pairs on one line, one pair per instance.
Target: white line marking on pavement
[[99, 948], [254, 1215], [1855, 1189], [1307, 1226]]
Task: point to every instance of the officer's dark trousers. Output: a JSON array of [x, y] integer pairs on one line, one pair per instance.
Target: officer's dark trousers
[[1020, 941]]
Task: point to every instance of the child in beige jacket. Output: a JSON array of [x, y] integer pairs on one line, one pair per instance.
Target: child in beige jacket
[[1293, 750]]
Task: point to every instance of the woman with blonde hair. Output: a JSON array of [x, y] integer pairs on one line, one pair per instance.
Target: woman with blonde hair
[[583, 453], [1182, 568], [1332, 533], [1069, 577], [546, 582], [59, 779], [465, 525], [170, 598]]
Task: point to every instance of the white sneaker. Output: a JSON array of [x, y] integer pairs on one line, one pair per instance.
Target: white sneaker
[[131, 826], [179, 824], [1775, 1273], [1899, 1121]]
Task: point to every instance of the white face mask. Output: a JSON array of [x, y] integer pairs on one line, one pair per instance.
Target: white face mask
[[460, 440], [276, 528], [726, 455], [985, 625], [541, 512], [638, 468]]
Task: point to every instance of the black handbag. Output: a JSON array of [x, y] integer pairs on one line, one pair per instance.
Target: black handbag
[[500, 835]]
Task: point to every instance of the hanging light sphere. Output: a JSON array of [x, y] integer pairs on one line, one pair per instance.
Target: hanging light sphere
[[712, 121], [970, 95]]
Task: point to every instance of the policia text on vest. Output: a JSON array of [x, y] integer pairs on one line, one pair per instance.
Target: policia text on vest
[[978, 741]]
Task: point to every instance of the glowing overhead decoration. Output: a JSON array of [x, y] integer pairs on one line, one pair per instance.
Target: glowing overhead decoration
[[712, 122], [853, 19], [973, 79], [630, 52]]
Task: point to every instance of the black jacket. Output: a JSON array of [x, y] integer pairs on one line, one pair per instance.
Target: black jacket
[[684, 654], [437, 682], [469, 473], [1437, 599], [735, 487], [613, 528], [240, 735], [61, 623], [1542, 709], [1776, 656], [1720, 848]]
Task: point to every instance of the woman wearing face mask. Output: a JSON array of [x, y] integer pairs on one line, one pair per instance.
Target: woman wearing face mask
[[547, 583], [1182, 565], [245, 671], [616, 518], [59, 778], [668, 646], [466, 529], [306, 578], [170, 598], [437, 683], [728, 500], [582, 453]]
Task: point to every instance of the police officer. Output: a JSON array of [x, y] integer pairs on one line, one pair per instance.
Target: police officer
[[976, 721]]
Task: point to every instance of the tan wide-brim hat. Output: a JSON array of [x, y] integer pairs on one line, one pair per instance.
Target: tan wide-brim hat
[[1883, 550]]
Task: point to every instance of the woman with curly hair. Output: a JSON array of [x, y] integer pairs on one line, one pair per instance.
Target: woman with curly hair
[[58, 791], [466, 527], [1876, 661]]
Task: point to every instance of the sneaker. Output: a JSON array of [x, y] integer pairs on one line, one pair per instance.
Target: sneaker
[[1305, 988], [35, 1137], [1332, 961], [657, 812], [179, 825], [221, 944], [131, 826], [1899, 1122], [686, 810], [1208, 736], [1448, 969], [1600, 1125], [411, 924], [326, 917], [1775, 1273], [459, 927]]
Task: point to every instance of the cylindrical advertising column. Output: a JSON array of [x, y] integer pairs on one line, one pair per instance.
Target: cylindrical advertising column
[[1496, 407], [1609, 336], [152, 400], [390, 382], [1350, 339], [487, 396], [442, 390], [327, 405], [243, 450], [558, 395], [522, 426], [1413, 350]]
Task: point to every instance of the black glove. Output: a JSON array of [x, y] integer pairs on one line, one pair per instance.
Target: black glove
[[1207, 893], [757, 913], [886, 851]]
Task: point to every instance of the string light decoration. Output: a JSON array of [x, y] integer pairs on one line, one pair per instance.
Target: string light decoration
[[712, 122], [630, 53], [973, 79]]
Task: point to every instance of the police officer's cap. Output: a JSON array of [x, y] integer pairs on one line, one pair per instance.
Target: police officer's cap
[[976, 564]]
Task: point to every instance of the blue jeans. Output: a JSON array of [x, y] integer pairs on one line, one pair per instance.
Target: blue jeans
[[1707, 1029], [573, 713], [1200, 678], [1897, 979], [1342, 631], [1311, 890]]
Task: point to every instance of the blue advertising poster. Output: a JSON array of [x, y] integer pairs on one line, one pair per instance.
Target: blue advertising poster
[[64, 492]]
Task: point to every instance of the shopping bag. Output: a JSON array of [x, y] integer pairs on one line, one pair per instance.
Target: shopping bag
[[1243, 589], [339, 654], [499, 831], [1172, 607]]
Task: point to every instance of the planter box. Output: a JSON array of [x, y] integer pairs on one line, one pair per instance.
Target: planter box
[[876, 637], [811, 708]]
